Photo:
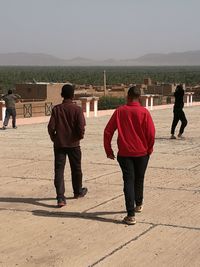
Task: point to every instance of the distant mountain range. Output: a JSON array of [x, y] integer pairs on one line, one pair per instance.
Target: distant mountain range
[[189, 58]]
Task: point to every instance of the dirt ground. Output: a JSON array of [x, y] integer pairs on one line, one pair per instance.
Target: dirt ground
[[88, 231]]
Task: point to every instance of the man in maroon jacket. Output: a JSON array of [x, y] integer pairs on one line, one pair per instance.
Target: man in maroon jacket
[[136, 134], [66, 128]]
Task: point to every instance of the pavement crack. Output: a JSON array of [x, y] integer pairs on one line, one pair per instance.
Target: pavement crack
[[138, 236], [173, 189], [104, 164], [100, 176], [15, 210], [102, 203], [188, 149], [25, 178], [193, 167], [171, 225], [122, 246], [180, 226], [170, 168]]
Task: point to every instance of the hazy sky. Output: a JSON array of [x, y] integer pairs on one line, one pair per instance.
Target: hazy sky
[[99, 29]]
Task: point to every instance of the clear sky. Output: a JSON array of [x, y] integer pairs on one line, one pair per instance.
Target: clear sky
[[99, 29]]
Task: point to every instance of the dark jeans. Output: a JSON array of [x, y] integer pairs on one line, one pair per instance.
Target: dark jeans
[[10, 112], [179, 115], [133, 170], [74, 155]]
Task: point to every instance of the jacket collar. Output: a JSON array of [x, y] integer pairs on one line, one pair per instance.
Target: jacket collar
[[67, 101], [134, 103]]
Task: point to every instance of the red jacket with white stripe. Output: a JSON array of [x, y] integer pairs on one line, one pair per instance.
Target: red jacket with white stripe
[[136, 131]]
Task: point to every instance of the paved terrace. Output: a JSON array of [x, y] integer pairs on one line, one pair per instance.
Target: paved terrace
[[88, 231]]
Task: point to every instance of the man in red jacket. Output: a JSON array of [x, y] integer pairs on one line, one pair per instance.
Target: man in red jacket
[[66, 128], [136, 135]]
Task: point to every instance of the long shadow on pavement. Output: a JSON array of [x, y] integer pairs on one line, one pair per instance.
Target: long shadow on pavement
[[43, 213], [33, 201], [94, 216]]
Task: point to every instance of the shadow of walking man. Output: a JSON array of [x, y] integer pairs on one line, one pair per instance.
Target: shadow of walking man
[[32, 201], [94, 216], [85, 215]]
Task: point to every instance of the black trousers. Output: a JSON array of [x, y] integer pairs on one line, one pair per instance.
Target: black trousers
[[133, 170], [178, 115], [10, 112], [74, 155]]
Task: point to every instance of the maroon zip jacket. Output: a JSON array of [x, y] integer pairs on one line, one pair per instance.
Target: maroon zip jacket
[[67, 124], [136, 131]]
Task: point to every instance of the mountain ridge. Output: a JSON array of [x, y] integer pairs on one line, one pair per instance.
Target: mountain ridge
[[187, 58]]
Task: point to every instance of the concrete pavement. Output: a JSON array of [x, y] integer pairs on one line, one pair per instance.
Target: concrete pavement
[[88, 231]]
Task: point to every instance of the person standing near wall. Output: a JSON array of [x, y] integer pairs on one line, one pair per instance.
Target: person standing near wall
[[178, 112], [10, 100], [136, 135], [66, 128]]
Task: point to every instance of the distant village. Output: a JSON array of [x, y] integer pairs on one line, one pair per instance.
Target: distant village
[[38, 98], [40, 91]]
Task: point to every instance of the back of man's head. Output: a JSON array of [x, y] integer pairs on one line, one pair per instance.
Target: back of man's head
[[10, 91], [179, 87], [67, 91], [134, 93]]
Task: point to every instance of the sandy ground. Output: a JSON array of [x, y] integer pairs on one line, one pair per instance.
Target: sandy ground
[[88, 231]]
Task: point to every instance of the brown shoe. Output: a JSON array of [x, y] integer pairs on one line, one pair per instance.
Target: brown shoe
[[180, 136], [61, 202], [138, 208], [84, 191], [130, 220]]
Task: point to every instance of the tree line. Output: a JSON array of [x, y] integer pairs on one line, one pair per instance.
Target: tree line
[[10, 75]]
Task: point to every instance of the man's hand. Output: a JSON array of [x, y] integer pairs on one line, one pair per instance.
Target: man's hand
[[112, 156]]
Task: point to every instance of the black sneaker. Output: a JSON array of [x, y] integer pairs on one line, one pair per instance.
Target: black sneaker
[[15, 127], [61, 202], [84, 191]]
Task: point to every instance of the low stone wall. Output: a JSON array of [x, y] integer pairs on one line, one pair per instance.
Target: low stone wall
[[88, 104], [33, 109], [30, 109]]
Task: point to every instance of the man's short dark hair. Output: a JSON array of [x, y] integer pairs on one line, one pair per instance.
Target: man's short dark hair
[[10, 91], [134, 92], [67, 91], [179, 87]]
